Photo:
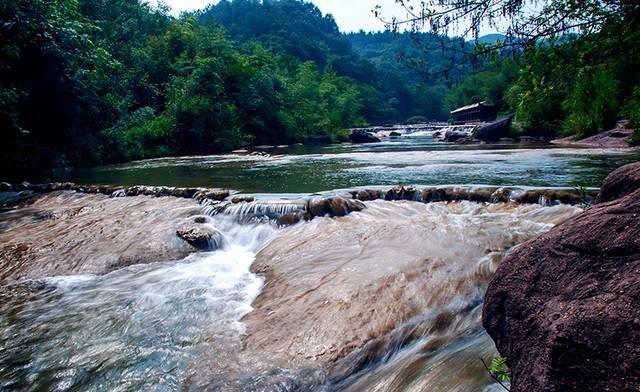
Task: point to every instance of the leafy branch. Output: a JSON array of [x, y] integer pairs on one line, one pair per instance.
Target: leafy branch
[[498, 371]]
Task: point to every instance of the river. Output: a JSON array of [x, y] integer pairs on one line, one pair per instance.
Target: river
[[387, 299]]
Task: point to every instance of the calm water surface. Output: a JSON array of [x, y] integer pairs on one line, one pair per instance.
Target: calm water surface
[[418, 161]]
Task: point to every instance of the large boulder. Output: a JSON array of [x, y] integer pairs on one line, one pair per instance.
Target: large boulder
[[565, 308], [360, 136], [620, 183]]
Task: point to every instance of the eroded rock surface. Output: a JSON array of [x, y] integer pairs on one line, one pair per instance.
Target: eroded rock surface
[[342, 293], [565, 307], [64, 233]]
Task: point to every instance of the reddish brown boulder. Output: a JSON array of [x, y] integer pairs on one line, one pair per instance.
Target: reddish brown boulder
[[565, 307], [620, 183]]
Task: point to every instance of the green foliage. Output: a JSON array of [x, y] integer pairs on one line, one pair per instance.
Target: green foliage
[[498, 369], [84, 82], [486, 86], [593, 106], [632, 111], [635, 137], [147, 136]]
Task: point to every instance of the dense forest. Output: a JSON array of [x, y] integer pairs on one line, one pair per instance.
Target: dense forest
[[87, 82]]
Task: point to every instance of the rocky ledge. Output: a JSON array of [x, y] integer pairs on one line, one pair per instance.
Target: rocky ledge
[[565, 307], [69, 233]]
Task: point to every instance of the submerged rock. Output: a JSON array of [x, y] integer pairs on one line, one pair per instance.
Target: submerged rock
[[565, 307]]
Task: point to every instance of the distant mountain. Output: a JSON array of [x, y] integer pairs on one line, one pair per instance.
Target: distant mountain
[[408, 74], [414, 57], [492, 38]]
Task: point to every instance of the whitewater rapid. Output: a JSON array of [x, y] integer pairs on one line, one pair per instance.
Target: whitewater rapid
[[385, 299], [140, 327]]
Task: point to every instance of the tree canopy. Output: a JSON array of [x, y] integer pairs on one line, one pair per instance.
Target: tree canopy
[[88, 82]]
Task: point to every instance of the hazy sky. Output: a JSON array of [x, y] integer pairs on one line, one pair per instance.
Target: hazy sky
[[351, 15]]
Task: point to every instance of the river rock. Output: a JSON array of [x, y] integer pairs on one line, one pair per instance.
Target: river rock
[[452, 136], [565, 307], [467, 140], [5, 187], [360, 136], [318, 206], [341, 295], [339, 206], [200, 236], [243, 199], [333, 206], [201, 219], [292, 219], [218, 195]]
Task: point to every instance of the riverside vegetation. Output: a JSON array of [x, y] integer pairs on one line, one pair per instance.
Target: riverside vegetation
[[88, 82]]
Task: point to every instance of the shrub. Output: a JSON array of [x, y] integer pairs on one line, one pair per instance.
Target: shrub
[[635, 138], [593, 106], [145, 135]]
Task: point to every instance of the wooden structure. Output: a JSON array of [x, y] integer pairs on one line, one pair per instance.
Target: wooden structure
[[478, 112]]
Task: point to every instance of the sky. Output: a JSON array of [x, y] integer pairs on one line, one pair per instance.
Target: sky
[[350, 15]]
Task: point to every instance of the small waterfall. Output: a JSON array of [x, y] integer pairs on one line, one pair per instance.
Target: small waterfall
[[255, 211]]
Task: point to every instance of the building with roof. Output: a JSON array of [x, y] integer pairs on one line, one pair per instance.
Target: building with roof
[[478, 112]]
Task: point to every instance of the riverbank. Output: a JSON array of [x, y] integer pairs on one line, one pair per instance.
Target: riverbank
[[618, 137]]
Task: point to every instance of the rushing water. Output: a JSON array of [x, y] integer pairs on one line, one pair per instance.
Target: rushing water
[[388, 299], [417, 161], [139, 328]]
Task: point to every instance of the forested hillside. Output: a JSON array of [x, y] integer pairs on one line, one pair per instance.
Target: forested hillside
[[95, 81], [87, 82]]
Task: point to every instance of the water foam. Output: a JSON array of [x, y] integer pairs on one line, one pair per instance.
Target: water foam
[[136, 328]]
